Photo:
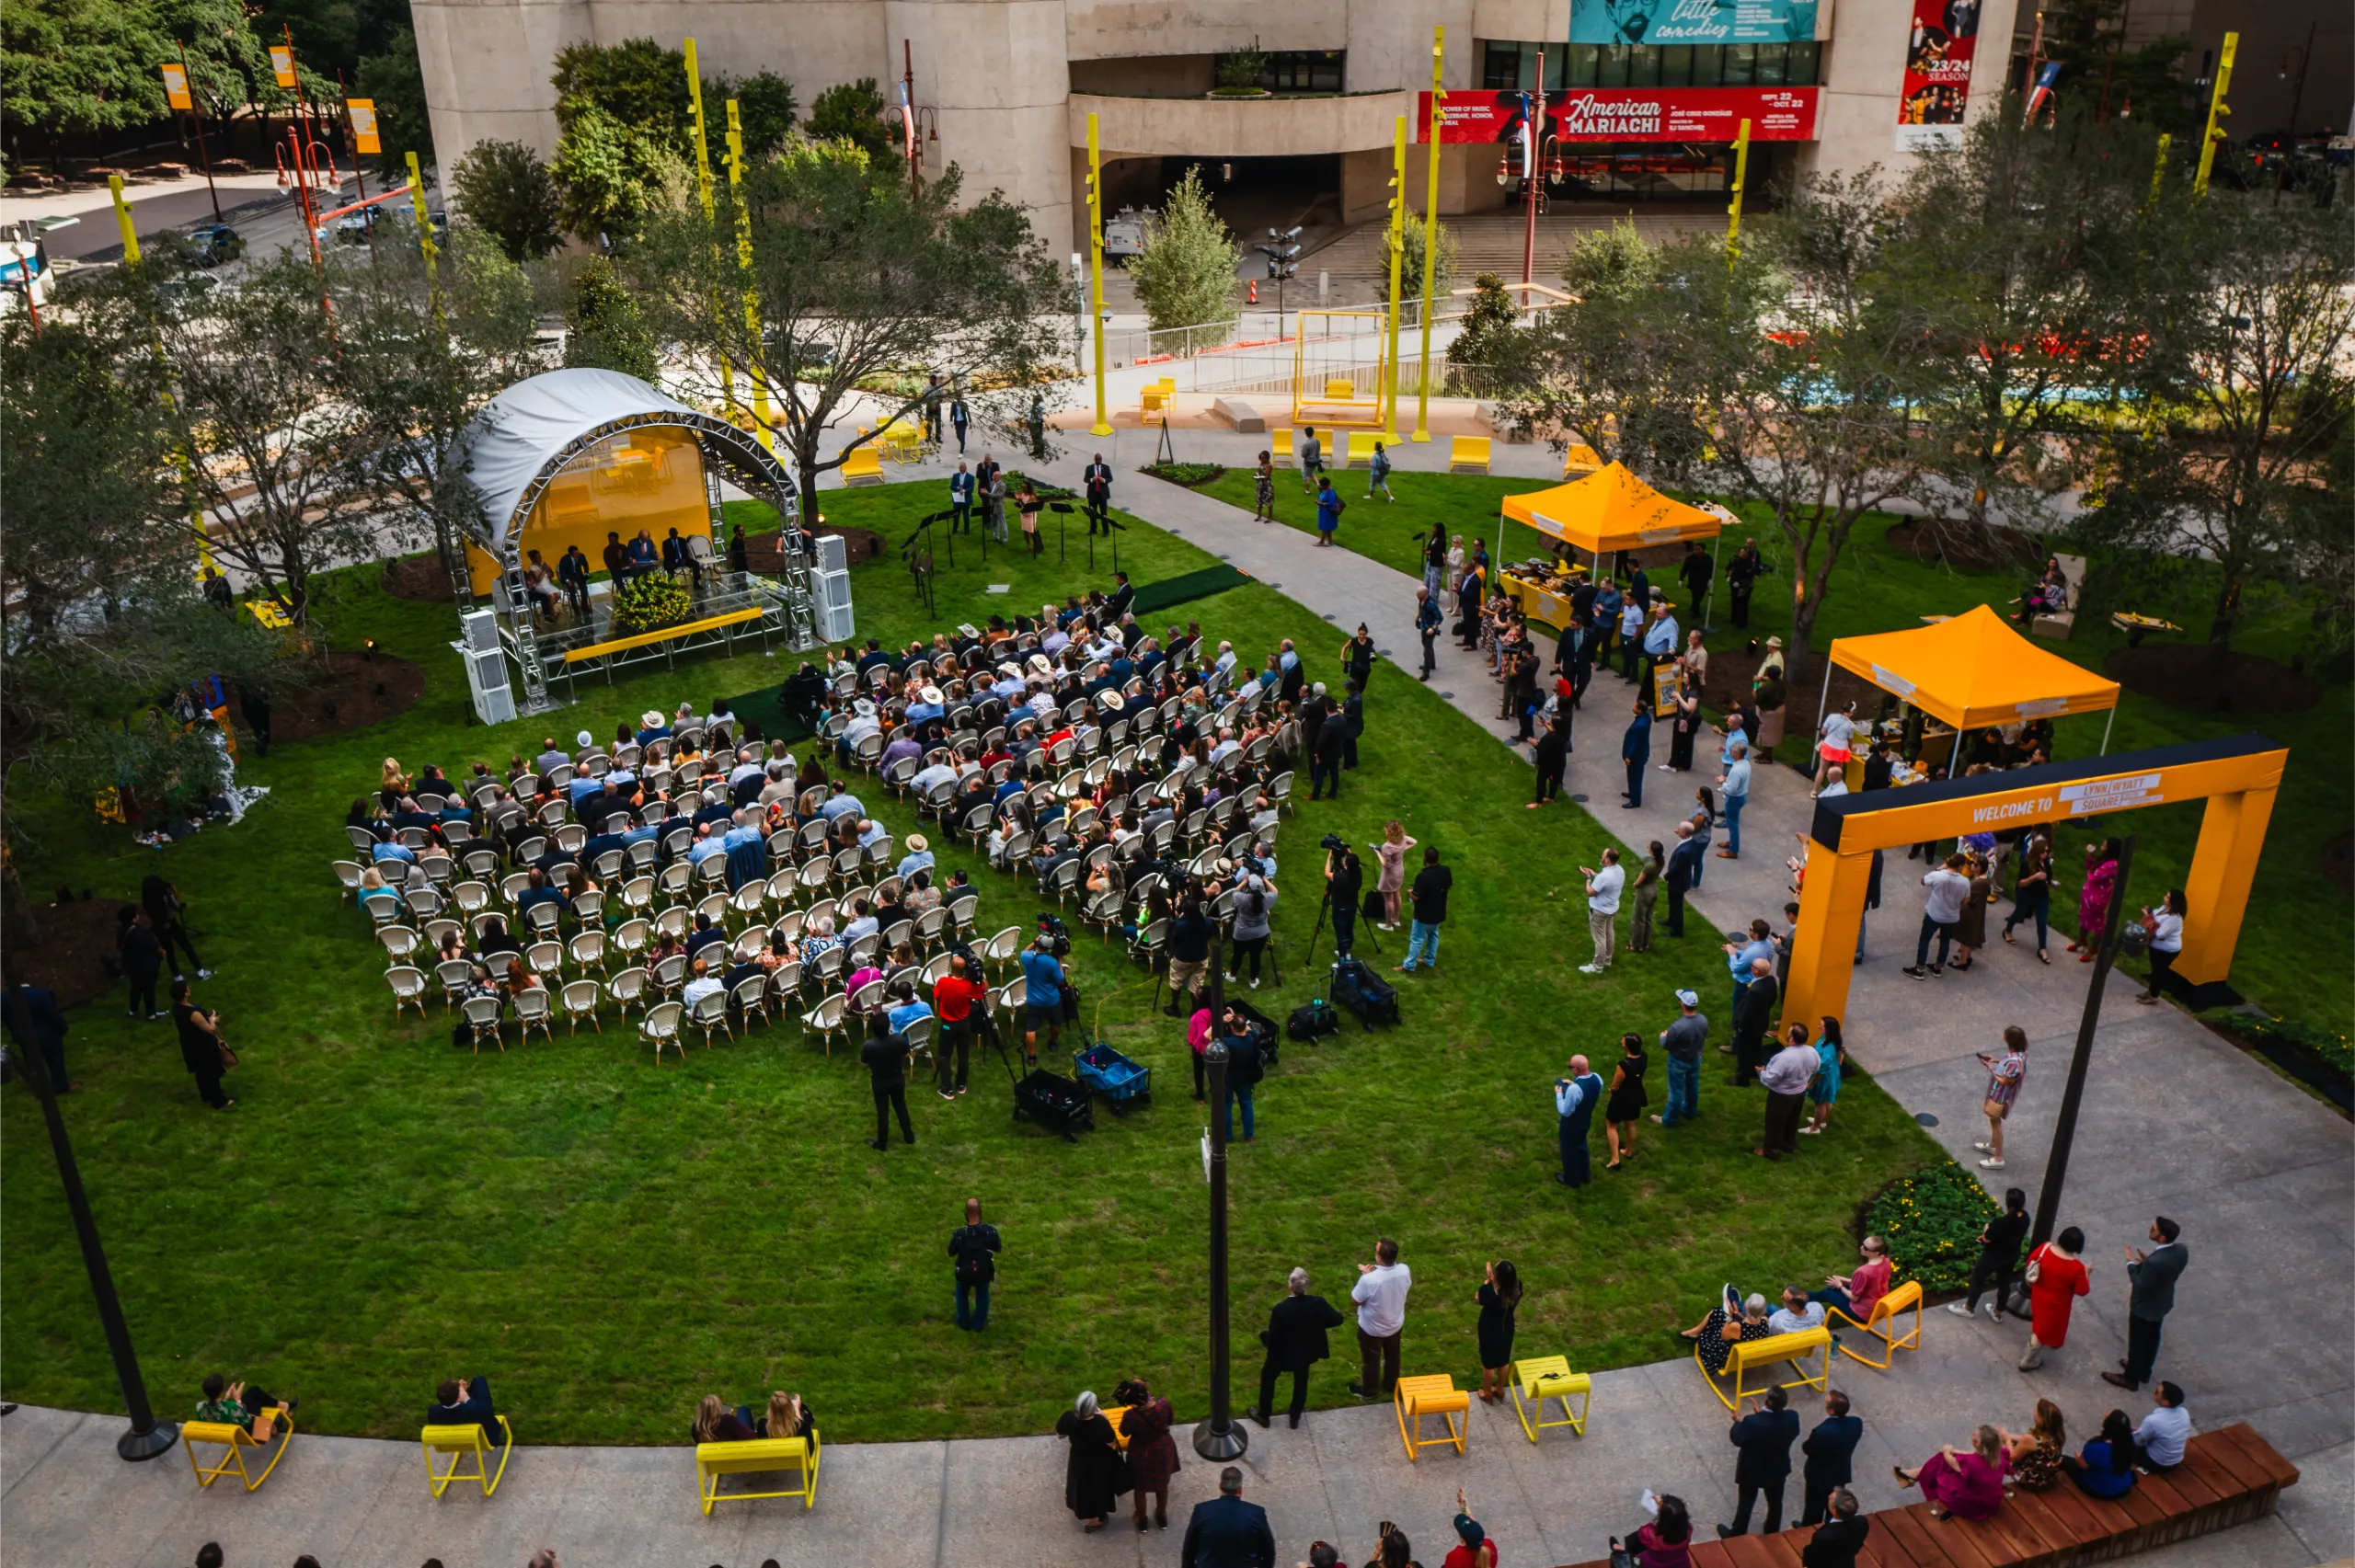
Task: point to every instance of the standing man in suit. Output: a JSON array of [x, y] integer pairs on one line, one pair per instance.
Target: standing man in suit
[[1684, 865], [1575, 1099], [1635, 750], [1765, 1438], [1836, 1543], [1753, 1014], [464, 1403], [1295, 1340], [1096, 480], [2153, 1275], [1830, 1449], [1741, 577], [959, 418], [1227, 1532], [885, 1055], [36, 1023], [960, 500]]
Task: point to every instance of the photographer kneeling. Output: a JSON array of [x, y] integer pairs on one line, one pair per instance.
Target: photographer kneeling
[[1344, 886]]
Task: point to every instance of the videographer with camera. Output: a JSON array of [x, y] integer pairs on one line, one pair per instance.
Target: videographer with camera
[[1344, 885]]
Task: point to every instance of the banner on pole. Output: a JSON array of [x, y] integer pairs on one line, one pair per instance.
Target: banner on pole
[[176, 91], [1692, 21], [1628, 114], [282, 65], [363, 123], [1940, 47]]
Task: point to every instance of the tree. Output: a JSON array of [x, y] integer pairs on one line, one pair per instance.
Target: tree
[[855, 277], [853, 112], [2242, 379], [1612, 371], [105, 617], [604, 328], [505, 190], [1410, 268], [2009, 255], [627, 126], [765, 108], [259, 400], [420, 357], [609, 177], [1805, 372], [1185, 275], [1486, 340], [395, 81]]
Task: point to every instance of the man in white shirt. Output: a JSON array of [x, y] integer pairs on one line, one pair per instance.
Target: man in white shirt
[[1380, 1296], [706, 845], [701, 986], [2159, 1442], [1226, 658], [1601, 907], [1784, 1076], [863, 723], [1947, 889], [1796, 1315], [932, 778]]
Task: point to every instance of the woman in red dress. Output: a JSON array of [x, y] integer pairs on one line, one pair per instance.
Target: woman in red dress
[[1153, 1453], [2055, 1279]]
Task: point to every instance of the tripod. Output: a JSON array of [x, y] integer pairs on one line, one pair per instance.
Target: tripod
[[1323, 906]]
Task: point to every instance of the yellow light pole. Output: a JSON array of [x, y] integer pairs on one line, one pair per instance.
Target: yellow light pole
[[1397, 255], [2159, 170], [1103, 426], [122, 220], [710, 208], [744, 261], [1740, 178], [425, 245], [1430, 240], [2216, 111]]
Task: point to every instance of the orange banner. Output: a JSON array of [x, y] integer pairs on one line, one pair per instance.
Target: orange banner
[[363, 123], [176, 91], [282, 65]]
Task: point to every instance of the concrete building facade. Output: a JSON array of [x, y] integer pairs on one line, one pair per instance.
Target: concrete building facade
[[1011, 83]]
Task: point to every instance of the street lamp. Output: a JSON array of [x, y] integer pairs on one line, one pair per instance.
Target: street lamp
[[1221, 1439], [147, 1437]]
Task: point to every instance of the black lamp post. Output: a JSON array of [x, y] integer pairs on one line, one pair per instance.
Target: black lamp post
[[1221, 1439], [147, 1437], [2064, 1129]]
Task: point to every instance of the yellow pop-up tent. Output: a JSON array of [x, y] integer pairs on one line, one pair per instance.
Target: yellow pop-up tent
[[1611, 509], [1973, 671]]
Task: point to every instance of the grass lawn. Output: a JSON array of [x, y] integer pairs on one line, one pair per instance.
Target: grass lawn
[[2297, 917], [610, 1240]]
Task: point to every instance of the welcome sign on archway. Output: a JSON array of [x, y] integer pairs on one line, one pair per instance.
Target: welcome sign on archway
[[2238, 778]]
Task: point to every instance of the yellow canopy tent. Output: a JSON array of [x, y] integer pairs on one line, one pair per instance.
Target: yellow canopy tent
[[1610, 509], [1973, 671]]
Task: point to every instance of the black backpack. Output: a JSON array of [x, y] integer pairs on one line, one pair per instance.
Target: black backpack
[[1312, 1020], [1356, 987]]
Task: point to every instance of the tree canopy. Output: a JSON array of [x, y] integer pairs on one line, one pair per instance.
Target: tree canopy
[[1185, 275]]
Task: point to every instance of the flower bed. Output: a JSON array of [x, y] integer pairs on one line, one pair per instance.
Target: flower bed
[[1931, 1220], [1191, 475], [649, 603]]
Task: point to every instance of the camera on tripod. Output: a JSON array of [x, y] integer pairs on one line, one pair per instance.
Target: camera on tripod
[[1333, 842]]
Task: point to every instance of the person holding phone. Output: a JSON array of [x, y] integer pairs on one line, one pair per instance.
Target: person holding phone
[[2005, 1075], [202, 1050], [2165, 926]]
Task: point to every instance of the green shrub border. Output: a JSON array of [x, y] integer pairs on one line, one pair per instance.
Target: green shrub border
[[1931, 1220]]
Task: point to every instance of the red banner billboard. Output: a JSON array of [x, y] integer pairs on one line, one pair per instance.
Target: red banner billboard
[[1629, 114], [1939, 46]]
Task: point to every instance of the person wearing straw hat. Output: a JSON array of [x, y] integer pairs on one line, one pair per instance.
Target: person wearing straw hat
[[929, 705], [651, 727], [864, 722], [918, 858]]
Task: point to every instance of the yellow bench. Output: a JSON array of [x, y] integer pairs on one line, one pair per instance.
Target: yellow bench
[[1468, 451], [236, 1439], [1579, 459], [1149, 405], [619, 645], [1542, 1378], [1279, 449], [1362, 448], [458, 1442], [271, 614], [755, 1457], [1746, 1354], [900, 442], [1434, 1395], [863, 464], [1881, 1323]]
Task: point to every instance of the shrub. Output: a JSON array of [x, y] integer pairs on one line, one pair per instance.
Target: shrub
[[1186, 473], [650, 602], [505, 190], [2331, 1048], [1185, 275], [604, 328], [1931, 1220]]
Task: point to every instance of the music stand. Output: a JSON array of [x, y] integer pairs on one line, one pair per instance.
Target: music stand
[[1061, 509]]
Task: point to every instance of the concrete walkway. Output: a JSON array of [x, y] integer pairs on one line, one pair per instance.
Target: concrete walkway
[[2262, 1176]]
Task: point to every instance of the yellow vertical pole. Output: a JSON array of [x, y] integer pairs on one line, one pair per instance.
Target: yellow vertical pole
[[1398, 256], [2159, 170], [1430, 240], [122, 220], [1103, 426], [425, 245], [710, 208], [744, 261], [2216, 111], [1740, 178]]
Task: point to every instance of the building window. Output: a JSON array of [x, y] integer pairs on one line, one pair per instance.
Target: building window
[[1301, 69], [1506, 66]]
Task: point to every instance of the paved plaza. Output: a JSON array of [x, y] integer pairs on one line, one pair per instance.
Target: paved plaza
[[2260, 1175]]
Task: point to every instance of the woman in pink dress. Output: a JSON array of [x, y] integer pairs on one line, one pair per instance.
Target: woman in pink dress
[[1969, 1486], [1393, 852], [2094, 900]]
